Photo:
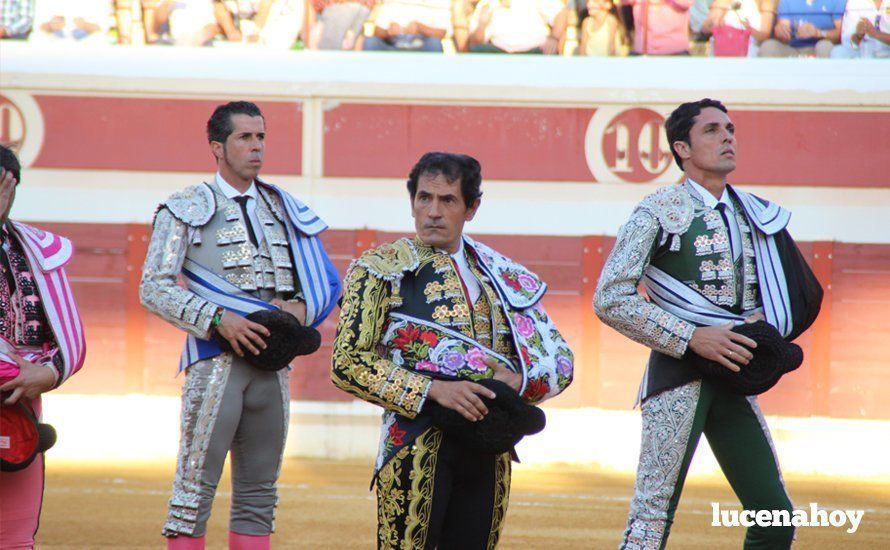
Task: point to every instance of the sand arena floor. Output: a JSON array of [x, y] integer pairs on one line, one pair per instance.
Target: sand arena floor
[[326, 505]]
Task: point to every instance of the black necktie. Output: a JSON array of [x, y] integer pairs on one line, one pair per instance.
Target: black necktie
[[242, 202], [721, 207]]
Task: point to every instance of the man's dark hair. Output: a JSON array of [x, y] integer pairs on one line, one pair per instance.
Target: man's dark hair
[[8, 161], [220, 124], [453, 167], [682, 119]]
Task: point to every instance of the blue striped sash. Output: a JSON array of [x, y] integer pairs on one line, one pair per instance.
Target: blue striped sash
[[319, 280], [679, 299], [769, 219], [214, 289]]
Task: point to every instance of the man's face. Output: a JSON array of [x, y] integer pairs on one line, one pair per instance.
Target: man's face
[[242, 153], [439, 212], [712, 145]]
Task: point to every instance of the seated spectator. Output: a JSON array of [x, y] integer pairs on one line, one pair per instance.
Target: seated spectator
[[602, 33], [337, 24], [865, 31], [16, 18], [661, 27], [178, 22], [84, 21], [755, 16], [272, 23], [805, 28], [699, 39], [518, 26], [410, 25], [148, 9]]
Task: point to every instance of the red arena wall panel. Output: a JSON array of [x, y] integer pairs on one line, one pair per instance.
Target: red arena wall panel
[[812, 148], [828, 148], [125, 133], [512, 143]]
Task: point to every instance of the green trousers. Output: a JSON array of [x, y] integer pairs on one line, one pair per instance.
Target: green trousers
[[673, 422]]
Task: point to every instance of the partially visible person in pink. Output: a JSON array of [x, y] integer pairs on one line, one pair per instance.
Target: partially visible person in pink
[[41, 341], [661, 26]]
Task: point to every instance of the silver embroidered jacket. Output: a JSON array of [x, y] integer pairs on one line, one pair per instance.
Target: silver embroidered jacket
[[617, 301], [202, 213]]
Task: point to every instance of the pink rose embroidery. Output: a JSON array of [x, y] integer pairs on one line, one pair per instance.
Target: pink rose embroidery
[[528, 283], [476, 360], [428, 366], [524, 325]]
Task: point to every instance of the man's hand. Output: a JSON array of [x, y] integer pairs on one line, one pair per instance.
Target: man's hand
[[297, 309], [242, 333], [234, 35], [783, 30], [33, 379], [394, 29], [7, 192], [722, 345], [412, 28], [868, 28], [505, 375], [807, 30], [462, 396]]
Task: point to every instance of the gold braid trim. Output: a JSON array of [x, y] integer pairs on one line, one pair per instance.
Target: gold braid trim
[[501, 498], [420, 497], [390, 500], [390, 260]]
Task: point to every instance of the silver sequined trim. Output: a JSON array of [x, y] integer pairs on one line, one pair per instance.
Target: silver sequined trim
[[205, 384], [667, 423]]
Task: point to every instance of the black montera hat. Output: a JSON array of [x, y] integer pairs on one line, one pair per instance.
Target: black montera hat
[[509, 419], [288, 339], [773, 358]]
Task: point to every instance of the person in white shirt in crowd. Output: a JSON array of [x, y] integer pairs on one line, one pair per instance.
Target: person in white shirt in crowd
[[16, 18], [865, 32], [518, 26], [188, 22], [275, 24], [410, 25]]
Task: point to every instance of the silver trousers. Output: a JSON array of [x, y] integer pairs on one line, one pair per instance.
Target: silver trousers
[[229, 406]]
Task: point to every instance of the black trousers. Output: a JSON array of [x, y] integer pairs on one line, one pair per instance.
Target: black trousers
[[437, 494]]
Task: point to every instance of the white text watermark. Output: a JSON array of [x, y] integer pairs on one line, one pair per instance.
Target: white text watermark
[[814, 517]]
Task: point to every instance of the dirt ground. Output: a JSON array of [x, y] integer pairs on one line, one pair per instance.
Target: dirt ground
[[326, 505]]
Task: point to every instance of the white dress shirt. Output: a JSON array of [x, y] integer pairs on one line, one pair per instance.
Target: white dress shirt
[[252, 197], [735, 234], [463, 268]]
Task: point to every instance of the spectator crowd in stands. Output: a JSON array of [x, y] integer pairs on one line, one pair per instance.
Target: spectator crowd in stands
[[764, 28]]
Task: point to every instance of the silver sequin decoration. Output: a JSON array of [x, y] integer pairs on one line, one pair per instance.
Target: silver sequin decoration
[[667, 423], [205, 384], [159, 290]]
